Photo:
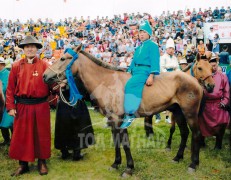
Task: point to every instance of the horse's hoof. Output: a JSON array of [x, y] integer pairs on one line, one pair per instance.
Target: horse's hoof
[[112, 169], [191, 170], [127, 173], [168, 149], [217, 148], [175, 161], [151, 136]]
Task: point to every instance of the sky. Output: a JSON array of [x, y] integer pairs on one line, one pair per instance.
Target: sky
[[57, 9]]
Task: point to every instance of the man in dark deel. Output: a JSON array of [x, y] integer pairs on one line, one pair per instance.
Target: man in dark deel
[[180, 34], [189, 56], [194, 50], [224, 55], [73, 127]]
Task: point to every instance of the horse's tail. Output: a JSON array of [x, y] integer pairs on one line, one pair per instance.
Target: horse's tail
[[202, 105]]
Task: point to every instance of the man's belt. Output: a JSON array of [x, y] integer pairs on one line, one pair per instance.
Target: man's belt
[[23, 100], [142, 65]]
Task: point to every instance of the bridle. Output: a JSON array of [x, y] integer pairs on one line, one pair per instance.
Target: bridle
[[73, 89], [202, 80], [58, 74]]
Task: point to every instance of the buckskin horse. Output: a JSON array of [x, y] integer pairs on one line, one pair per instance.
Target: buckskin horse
[[175, 91], [199, 69]]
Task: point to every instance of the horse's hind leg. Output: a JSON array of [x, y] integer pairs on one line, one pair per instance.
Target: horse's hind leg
[[117, 140], [172, 130], [184, 132], [148, 126], [195, 143], [127, 150], [219, 137]]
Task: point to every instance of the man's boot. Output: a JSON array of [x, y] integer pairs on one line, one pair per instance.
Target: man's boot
[[42, 167], [23, 168], [65, 154], [77, 155]]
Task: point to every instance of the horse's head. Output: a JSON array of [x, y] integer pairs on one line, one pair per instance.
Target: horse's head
[[203, 71], [56, 72]]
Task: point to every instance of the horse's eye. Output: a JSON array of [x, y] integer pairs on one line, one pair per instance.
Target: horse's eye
[[203, 57], [62, 59], [199, 68]]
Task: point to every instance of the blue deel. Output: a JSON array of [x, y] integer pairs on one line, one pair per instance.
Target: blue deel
[[146, 61]]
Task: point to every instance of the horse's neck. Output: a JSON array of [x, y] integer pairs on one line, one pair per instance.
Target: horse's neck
[[188, 72], [93, 75]]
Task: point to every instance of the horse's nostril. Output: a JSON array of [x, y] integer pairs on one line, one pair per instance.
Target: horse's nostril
[[211, 86]]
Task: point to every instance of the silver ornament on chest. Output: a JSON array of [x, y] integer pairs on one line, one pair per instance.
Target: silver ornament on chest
[[35, 73]]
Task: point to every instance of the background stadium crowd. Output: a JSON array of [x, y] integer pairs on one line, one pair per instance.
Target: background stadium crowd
[[113, 39]]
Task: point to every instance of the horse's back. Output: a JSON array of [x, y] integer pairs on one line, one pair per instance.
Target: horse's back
[[169, 88]]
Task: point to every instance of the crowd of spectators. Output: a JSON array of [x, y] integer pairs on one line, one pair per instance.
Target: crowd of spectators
[[113, 40]]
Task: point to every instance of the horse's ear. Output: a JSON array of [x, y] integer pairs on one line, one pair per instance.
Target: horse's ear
[[198, 57], [78, 48], [208, 55]]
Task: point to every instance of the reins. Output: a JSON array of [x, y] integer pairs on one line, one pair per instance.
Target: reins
[[74, 93]]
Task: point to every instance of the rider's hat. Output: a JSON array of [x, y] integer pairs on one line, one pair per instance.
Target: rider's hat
[[145, 26], [214, 58]]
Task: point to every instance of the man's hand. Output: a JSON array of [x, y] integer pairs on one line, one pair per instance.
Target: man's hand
[[221, 105], [12, 112], [150, 80]]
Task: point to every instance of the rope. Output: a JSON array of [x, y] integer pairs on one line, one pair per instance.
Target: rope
[[64, 99], [62, 96], [52, 99]]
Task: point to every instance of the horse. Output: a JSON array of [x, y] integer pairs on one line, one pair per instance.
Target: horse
[[196, 69], [175, 91], [2, 100]]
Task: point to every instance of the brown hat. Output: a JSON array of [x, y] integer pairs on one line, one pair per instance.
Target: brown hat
[[30, 40], [214, 58], [2, 60]]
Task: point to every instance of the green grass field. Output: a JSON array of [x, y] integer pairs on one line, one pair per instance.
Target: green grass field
[[151, 159]]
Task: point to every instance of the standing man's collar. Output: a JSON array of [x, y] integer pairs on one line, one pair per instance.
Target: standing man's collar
[[30, 61]]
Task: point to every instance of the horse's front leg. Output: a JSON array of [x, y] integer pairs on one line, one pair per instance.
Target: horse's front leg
[[148, 126], [116, 140], [126, 146]]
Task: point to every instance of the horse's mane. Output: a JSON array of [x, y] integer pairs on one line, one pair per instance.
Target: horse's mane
[[100, 62], [187, 67]]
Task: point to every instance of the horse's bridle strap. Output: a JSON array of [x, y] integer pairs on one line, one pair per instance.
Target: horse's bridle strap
[[74, 92], [206, 77], [191, 70], [72, 53]]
